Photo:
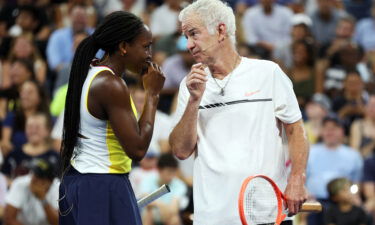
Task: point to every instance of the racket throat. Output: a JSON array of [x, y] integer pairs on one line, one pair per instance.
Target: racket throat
[[280, 219]]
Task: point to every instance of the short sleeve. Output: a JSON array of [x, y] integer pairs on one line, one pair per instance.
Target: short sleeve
[[16, 195], [285, 102], [369, 170], [9, 120], [182, 100], [357, 167], [53, 194]]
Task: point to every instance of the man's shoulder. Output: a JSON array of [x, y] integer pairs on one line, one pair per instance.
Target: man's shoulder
[[365, 22], [350, 151], [22, 181], [62, 32], [259, 63]]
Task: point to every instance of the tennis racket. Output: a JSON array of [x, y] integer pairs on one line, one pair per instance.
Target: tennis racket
[[261, 202], [164, 189]]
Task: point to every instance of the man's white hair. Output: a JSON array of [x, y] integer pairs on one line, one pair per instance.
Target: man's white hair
[[212, 13]]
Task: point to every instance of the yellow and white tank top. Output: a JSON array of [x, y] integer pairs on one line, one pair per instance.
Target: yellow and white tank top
[[99, 151]]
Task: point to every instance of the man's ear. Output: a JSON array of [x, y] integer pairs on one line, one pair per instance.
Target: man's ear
[[222, 32], [123, 46]]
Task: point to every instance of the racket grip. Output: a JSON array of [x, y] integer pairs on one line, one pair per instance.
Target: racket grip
[[153, 196], [311, 207]]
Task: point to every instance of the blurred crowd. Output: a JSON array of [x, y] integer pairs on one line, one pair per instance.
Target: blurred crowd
[[326, 47]]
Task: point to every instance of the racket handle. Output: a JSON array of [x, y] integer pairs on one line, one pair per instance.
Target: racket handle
[[311, 207]]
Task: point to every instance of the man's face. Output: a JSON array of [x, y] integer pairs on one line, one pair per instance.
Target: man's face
[[344, 29], [201, 44], [332, 133], [167, 174], [79, 19]]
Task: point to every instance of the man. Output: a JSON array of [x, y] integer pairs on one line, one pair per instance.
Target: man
[[232, 115], [267, 25], [60, 50], [325, 19], [329, 160], [32, 199]]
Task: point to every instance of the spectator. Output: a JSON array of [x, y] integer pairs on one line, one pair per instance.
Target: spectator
[[316, 110], [358, 9], [302, 72], [147, 167], [38, 127], [325, 20], [351, 104], [344, 209], [267, 25], [329, 160], [64, 9], [362, 132], [24, 48], [344, 33], [25, 17], [62, 76], [369, 185], [349, 59], [166, 209], [300, 31], [136, 7], [365, 31], [33, 198], [58, 56], [164, 19], [20, 71], [32, 100]]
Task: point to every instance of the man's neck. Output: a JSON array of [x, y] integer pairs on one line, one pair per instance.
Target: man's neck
[[223, 66]]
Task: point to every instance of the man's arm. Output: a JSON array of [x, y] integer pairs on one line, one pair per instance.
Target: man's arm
[[51, 213], [183, 139], [10, 215], [295, 191]]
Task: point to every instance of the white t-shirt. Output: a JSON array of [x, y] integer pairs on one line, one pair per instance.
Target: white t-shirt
[[239, 136], [164, 21], [31, 209]]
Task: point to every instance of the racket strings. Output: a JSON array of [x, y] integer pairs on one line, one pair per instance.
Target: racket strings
[[260, 201]]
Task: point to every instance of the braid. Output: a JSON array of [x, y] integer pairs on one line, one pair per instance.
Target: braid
[[117, 27]]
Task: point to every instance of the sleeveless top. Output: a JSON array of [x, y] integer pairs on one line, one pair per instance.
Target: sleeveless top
[[99, 150]]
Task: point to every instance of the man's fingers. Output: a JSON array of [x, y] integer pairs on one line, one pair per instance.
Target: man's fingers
[[194, 81], [198, 76], [197, 71]]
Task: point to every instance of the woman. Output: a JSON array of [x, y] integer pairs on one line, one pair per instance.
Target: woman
[[362, 132], [32, 99], [302, 71], [101, 134], [37, 129]]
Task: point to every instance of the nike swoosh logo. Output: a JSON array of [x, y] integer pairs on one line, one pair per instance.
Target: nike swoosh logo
[[247, 94]]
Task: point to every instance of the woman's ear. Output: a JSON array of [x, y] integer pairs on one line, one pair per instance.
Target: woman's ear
[[122, 47]]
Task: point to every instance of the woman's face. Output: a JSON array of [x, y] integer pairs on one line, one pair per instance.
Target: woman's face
[[22, 48], [139, 52], [29, 96], [36, 129], [19, 73], [300, 55]]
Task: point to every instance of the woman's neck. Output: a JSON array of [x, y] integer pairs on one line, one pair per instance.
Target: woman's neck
[[35, 149]]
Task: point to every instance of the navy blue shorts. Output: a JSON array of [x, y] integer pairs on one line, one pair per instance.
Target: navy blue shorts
[[97, 199]]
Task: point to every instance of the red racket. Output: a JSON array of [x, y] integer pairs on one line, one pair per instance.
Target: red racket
[[261, 202]]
